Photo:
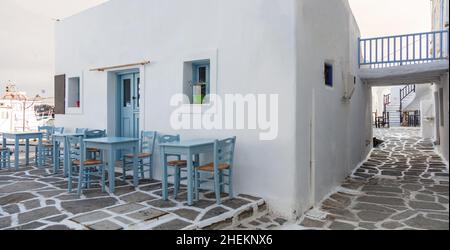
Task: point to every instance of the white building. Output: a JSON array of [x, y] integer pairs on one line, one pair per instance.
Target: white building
[[440, 11], [236, 47]]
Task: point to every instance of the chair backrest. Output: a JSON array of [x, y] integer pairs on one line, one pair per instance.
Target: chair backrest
[[148, 139], [57, 130], [91, 134], [224, 151], [47, 132], [80, 130], [168, 138], [76, 147]]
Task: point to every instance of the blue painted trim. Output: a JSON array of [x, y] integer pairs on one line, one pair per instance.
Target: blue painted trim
[[378, 58]]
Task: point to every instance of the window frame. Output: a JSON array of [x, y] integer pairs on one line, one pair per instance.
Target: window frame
[[187, 76], [74, 110]]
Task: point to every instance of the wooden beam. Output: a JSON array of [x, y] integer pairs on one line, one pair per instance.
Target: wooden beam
[[121, 66]]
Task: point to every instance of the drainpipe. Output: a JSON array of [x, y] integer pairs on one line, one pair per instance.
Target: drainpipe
[[442, 14]]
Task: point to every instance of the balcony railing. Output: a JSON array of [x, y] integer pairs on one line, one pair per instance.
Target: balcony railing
[[389, 51]]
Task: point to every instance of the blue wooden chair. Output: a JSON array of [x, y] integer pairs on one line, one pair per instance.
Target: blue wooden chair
[[81, 130], [83, 169], [178, 165], [5, 156], [145, 155], [47, 142], [220, 168], [92, 134]]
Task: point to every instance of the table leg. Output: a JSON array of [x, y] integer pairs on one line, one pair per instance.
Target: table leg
[[111, 172], [164, 177], [135, 166], [190, 175], [16, 154], [55, 156], [196, 179], [67, 170], [27, 152], [40, 153]]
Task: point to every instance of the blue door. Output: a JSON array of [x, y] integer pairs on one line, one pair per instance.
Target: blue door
[[129, 105]]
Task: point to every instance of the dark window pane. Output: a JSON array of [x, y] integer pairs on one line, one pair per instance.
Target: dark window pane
[[138, 91], [126, 92], [202, 74], [329, 75]]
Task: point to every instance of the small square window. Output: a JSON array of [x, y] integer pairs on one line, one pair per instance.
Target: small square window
[[73, 94], [328, 75], [197, 81]]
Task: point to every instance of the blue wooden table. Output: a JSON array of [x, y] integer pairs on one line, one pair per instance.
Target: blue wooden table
[[188, 148], [112, 145], [59, 139], [27, 136]]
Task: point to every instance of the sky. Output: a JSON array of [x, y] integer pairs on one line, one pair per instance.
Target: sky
[[27, 33], [391, 17]]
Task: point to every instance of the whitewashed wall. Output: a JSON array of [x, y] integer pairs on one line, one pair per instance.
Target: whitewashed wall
[[261, 49], [341, 132], [444, 130], [254, 40]]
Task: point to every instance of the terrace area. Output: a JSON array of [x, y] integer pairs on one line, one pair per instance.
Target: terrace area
[[35, 198]]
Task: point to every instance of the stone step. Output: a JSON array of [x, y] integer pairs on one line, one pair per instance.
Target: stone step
[[238, 217]]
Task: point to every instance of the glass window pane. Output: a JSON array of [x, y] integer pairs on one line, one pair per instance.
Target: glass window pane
[[202, 74], [138, 91], [329, 75], [126, 92], [74, 92]]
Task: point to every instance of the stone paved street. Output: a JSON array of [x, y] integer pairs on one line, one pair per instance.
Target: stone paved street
[[36, 199], [404, 184]]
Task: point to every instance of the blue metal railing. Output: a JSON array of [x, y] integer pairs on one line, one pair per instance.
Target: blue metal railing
[[389, 51]]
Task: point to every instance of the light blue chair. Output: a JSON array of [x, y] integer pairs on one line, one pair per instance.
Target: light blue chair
[[85, 169], [81, 130], [47, 142], [145, 155], [178, 165], [220, 168], [5, 156], [92, 134]]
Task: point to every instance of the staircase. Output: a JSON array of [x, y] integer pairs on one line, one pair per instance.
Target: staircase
[[395, 105], [394, 114], [407, 96]]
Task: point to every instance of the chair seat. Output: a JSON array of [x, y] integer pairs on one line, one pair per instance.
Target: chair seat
[[210, 167], [87, 162], [180, 164], [4, 149], [140, 155], [91, 150]]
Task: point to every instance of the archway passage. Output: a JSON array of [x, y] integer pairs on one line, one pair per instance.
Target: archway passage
[[406, 106]]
